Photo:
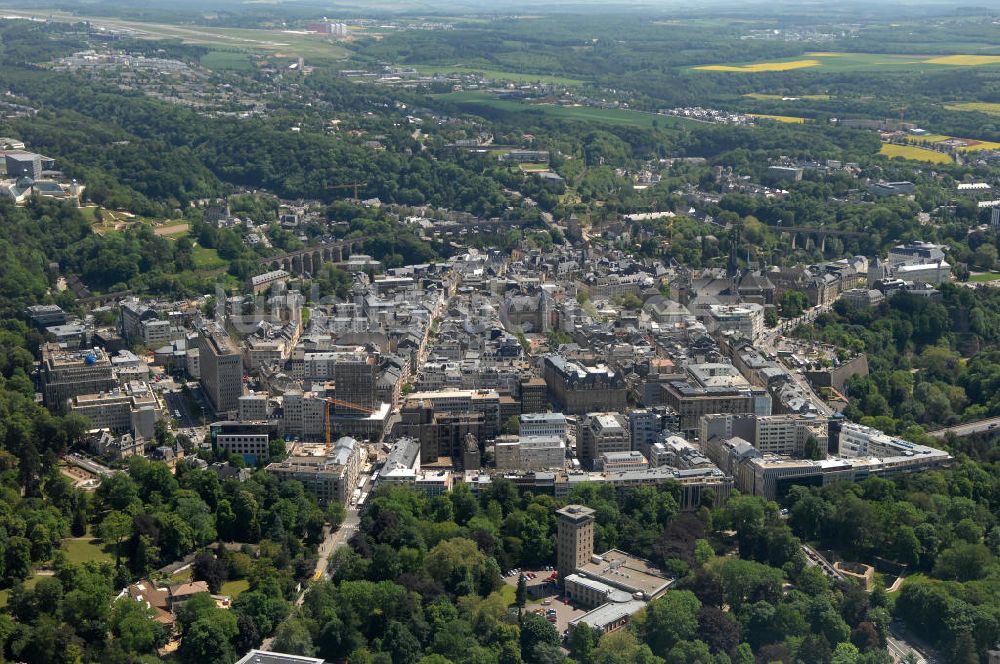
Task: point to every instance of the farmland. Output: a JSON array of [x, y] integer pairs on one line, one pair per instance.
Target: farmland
[[914, 153], [787, 119], [963, 145], [836, 62], [976, 107]]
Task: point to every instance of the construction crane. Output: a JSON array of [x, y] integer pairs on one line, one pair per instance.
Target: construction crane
[[355, 185], [330, 401]]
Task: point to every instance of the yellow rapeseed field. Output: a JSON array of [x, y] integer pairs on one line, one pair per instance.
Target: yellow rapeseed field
[[779, 118], [980, 106], [965, 60], [762, 66], [913, 152]]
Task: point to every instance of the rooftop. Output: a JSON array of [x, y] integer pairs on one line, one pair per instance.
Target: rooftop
[[627, 572]]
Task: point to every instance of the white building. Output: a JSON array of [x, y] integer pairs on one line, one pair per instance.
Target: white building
[[746, 318], [543, 424]]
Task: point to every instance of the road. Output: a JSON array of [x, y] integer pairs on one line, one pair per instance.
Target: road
[[769, 342], [899, 647], [969, 428]]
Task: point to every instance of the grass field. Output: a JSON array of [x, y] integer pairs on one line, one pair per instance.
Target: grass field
[[474, 100], [977, 106], [533, 168], [228, 60], [827, 61], [914, 153], [983, 277], [207, 259], [234, 588], [498, 74], [85, 549], [787, 119]]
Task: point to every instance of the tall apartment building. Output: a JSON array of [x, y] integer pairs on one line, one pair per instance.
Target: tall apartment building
[[221, 366], [68, 373], [600, 433], [575, 539], [577, 389]]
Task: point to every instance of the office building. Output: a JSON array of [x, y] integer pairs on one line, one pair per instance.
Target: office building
[[788, 435], [530, 453], [600, 433], [130, 409], [745, 318], [543, 424], [621, 461], [22, 164], [355, 376], [328, 477], [534, 395], [221, 365], [67, 373], [577, 389], [249, 439]]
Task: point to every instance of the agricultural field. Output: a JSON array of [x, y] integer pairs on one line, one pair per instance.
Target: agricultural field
[[497, 74], [582, 113], [834, 62], [787, 119], [970, 144], [912, 152], [975, 106]]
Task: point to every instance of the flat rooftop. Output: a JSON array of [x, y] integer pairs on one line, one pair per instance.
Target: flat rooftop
[[622, 570]]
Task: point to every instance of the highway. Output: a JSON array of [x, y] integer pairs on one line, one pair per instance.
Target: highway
[[969, 428]]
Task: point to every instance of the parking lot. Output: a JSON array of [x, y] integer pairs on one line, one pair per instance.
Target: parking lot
[[545, 598]]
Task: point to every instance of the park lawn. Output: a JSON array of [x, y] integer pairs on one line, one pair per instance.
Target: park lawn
[[914, 153], [30, 582], [207, 259], [984, 277], [228, 60], [234, 588], [498, 74], [787, 119], [975, 106], [81, 550]]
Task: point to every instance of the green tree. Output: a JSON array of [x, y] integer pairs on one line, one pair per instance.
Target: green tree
[[668, 620]]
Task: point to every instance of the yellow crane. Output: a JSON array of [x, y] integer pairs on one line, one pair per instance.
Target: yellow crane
[[330, 401]]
